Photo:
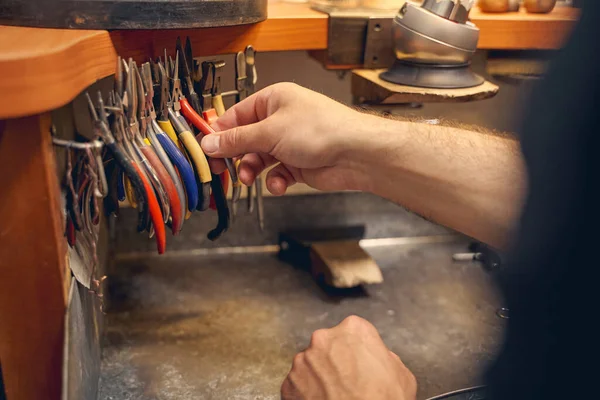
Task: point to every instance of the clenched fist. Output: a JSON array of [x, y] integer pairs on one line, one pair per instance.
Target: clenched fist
[[346, 362]]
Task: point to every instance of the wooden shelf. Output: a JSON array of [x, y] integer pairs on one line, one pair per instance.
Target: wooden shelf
[[522, 30], [43, 69]]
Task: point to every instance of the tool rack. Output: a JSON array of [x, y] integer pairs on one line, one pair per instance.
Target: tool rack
[[44, 69]]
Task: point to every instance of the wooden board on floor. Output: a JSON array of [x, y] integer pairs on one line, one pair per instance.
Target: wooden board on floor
[[344, 264], [368, 87]]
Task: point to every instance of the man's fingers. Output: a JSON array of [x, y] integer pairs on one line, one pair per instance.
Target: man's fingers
[[217, 165], [254, 138], [288, 391], [279, 179], [248, 111], [252, 165]]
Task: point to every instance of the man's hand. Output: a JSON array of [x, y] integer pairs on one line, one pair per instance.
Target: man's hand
[[349, 361], [306, 132], [469, 181]]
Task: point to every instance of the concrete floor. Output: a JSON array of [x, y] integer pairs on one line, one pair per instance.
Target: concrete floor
[[227, 327]]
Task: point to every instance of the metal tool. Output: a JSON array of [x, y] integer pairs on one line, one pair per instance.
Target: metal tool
[[191, 106], [133, 104], [170, 142], [87, 184], [434, 45], [161, 164], [100, 121], [144, 193], [184, 133], [240, 85], [191, 109], [219, 106], [250, 86], [208, 89]]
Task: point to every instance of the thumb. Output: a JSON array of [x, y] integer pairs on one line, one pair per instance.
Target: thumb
[[253, 138]]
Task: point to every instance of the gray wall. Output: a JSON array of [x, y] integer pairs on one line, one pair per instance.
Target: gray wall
[[501, 112]]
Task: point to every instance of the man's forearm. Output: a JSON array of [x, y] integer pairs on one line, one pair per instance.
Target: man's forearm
[[469, 181]]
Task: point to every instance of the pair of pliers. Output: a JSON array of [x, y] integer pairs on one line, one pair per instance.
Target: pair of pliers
[[184, 133], [246, 78], [134, 92], [191, 109], [154, 152], [127, 165], [191, 106], [211, 93], [170, 142], [156, 221]]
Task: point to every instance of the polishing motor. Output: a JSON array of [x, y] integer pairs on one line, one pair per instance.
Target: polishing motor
[[434, 45]]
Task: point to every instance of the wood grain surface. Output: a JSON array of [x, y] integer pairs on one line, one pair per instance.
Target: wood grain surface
[[367, 87], [43, 69], [33, 269], [523, 30]]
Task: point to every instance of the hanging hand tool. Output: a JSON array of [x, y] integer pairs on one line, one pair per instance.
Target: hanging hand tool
[[120, 186], [219, 192], [165, 133], [240, 85], [187, 138], [134, 111], [245, 82], [114, 173], [217, 103], [208, 89], [147, 190], [217, 99], [251, 80], [191, 107], [152, 131], [127, 165], [72, 196], [169, 180]]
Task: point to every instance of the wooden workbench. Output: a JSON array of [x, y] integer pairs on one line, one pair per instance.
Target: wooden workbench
[[44, 69]]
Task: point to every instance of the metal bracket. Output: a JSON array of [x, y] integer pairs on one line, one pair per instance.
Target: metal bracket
[[379, 50], [359, 38]]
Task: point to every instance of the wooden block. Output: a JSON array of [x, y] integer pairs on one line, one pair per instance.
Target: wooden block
[[344, 264], [368, 87]]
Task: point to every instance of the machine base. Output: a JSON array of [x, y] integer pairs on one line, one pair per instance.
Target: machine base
[[432, 76]]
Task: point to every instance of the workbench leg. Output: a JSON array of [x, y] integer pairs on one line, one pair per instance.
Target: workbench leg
[[32, 261]]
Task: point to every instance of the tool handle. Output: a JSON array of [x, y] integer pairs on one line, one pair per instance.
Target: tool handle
[[167, 182], [164, 159], [120, 187], [194, 101], [194, 118], [135, 178], [211, 116], [156, 182], [155, 213], [170, 131], [222, 209], [197, 155], [185, 169], [259, 202], [217, 103], [192, 146], [204, 202], [130, 193]]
